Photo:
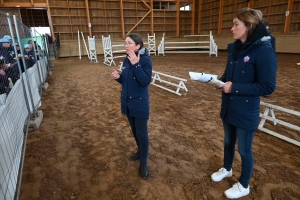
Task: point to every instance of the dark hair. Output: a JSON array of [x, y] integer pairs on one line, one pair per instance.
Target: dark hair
[[250, 17], [136, 38]]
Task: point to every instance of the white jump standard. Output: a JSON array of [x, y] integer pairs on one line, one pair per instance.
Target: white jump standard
[[270, 109], [92, 49], [158, 77], [107, 51]]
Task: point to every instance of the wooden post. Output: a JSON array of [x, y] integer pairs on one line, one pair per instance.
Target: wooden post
[[88, 18], [177, 18], [199, 16], [50, 20], [193, 17], [151, 18], [220, 17], [122, 18], [288, 18], [250, 4]]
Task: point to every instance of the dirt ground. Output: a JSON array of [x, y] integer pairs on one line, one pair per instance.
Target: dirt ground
[[82, 148]]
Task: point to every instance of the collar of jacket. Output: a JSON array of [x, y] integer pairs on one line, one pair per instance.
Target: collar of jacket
[[143, 52]]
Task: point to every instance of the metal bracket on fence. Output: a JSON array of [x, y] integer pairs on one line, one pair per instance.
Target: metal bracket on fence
[[34, 121]]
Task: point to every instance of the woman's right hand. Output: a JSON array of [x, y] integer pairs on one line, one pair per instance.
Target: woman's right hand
[[115, 74]]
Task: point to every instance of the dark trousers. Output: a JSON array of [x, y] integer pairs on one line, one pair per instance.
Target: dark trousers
[[245, 139], [139, 128]]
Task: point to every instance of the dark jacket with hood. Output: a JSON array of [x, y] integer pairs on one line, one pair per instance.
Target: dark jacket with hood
[[31, 58], [273, 40], [251, 67], [135, 80]]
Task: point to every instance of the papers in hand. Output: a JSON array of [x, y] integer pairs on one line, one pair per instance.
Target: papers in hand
[[206, 78]]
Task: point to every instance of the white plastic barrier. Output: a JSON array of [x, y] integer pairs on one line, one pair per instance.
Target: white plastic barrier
[[270, 109], [157, 76], [10, 153], [211, 46], [15, 111], [32, 74]]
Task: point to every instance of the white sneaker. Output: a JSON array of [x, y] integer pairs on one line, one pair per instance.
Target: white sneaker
[[237, 191], [222, 173]]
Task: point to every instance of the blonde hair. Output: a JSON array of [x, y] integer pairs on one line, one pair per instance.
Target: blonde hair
[[250, 17]]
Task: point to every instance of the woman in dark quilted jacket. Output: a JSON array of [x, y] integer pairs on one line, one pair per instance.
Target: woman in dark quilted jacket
[[135, 78], [250, 73]]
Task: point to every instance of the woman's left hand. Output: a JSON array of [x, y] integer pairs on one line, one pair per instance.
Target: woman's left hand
[[133, 58], [227, 87]]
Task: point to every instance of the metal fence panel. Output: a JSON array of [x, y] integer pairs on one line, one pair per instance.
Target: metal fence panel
[[24, 67]]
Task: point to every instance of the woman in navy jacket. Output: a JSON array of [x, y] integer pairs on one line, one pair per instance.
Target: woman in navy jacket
[[250, 73], [135, 78]]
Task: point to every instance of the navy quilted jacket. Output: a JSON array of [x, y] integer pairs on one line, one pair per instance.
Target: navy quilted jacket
[[251, 67], [135, 80]]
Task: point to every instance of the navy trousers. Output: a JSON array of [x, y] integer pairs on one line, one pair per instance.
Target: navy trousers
[[139, 128]]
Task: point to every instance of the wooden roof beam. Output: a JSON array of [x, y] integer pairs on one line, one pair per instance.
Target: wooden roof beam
[[146, 4], [22, 4]]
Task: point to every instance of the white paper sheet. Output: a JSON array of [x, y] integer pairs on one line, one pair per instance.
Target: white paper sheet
[[206, 78]]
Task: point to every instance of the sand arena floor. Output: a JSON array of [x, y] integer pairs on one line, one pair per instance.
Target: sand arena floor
[[83, 146]]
